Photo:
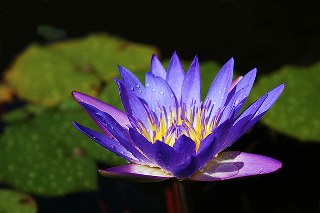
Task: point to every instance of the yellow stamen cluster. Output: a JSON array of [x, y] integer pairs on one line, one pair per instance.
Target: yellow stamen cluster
[[195, 123]]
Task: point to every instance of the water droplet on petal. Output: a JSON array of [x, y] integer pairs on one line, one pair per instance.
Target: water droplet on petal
[[137, 85], [161, 92], [171, 95], [153, 89], [147, 85], [132, 88], [139, 90], [226, 171]]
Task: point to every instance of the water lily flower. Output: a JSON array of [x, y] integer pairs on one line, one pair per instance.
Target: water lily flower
[[168, 131]]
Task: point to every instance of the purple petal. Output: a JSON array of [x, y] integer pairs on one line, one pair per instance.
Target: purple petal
[[186, 169], [109, 143], [159, 94], [229, 165], [229, 110], [143, 144], [207, 150], [175, 75], [237, 128], [246, 84], [140, 173], [132, 104], [165, 156], [156, 68], [191, 86], [185, 146], [212, 144], [220, 86], [273, 95], [132, 82], [235, 82], [117, 131], [120, 116]]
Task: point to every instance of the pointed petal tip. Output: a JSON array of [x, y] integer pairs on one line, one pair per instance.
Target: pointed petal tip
[[77, 126], [79, 97], [73, 93], [254, 71], [231, 62], [277, 90], [120, 67], [196, 58], [174, 57], [154, 56]]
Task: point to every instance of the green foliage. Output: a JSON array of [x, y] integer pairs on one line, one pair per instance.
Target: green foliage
[[47, 74], [11, 201], [40, 150], [296, 113], [48, 156]]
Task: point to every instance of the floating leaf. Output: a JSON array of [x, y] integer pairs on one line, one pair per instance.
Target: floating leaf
[[48, 156], [11, 201], [296, 113], [47, 74]]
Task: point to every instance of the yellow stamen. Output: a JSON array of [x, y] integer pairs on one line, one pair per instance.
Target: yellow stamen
[[195, 124]]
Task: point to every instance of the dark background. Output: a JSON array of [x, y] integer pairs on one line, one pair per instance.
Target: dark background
[[265, 34]]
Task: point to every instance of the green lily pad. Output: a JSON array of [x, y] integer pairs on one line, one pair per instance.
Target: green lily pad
[[46, 74], [12, 201], [48, 156], [296, 113]]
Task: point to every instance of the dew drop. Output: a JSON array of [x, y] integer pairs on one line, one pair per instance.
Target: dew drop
[[226, 170], [153, 89], [147, 85], [171, 95], [132, 88], [137, 85], [161, 92], [139, 90]]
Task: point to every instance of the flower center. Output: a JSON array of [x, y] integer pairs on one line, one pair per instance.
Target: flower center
[[195, 122]]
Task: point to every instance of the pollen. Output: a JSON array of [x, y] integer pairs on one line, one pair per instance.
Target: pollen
[[195, 122]]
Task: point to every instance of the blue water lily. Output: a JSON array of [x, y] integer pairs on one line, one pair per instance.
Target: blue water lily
[[168, 131]]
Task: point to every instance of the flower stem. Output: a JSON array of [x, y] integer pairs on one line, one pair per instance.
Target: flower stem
[[184, 196]]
